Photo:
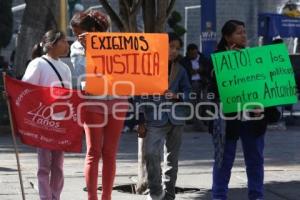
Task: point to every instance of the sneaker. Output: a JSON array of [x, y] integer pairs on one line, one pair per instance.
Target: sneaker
[[135, 128], [156, 197], [126, 129]]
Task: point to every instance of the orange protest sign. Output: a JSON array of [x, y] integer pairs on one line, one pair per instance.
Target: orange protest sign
[[126, 63]]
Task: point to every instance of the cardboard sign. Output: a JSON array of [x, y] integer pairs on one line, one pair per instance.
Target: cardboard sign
[[126, 63], [261, 74]]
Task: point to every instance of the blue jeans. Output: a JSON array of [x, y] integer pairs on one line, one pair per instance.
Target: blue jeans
[[253, 147], [170, 135]]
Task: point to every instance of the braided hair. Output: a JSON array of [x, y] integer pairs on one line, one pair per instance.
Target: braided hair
[[91, 21]]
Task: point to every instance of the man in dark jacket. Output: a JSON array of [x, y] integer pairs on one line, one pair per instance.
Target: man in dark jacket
[[196, 65]]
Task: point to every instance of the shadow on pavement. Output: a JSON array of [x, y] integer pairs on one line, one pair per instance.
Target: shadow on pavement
[[6, 169], [273, 191]]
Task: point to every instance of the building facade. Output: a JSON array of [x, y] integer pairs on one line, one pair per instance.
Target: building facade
[[246, 11]]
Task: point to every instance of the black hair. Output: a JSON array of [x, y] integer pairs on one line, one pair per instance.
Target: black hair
[[277, 41], [173, 36], [192, 46], [228, 28], [50, 37], [37, 51]]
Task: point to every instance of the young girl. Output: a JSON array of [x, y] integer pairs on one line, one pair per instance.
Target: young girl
[[40, 72], [102, 141]]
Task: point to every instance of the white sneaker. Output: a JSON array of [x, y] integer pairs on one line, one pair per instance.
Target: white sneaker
[[155, 197], [135, 128], [126, 129]]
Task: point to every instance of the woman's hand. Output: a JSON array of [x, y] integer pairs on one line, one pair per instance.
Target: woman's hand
[[141, 130], [82, 39], [257, 112], [170, 95], [234, 47]]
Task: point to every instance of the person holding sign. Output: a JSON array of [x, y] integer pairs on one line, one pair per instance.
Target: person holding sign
[[103, 125], [165, 130], [226, 132], [48, 70]]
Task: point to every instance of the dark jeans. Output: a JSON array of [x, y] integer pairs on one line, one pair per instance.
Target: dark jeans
[[253, 147], [169, 137], [199, 90]]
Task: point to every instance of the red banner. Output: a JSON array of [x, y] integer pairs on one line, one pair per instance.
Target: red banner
[[45, 117]]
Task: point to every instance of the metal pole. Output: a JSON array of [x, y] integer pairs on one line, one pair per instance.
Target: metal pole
[[14, 138], [63, 16], [18, 8], [186, 8], [185, 27], [94, 8]]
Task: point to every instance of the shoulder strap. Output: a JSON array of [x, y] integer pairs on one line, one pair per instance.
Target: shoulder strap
[[174, 72], [55, 70]]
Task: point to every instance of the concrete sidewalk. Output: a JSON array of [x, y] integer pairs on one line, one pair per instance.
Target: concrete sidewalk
[[282, 169]]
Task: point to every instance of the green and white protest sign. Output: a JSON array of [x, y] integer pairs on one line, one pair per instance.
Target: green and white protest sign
[[261, 74]]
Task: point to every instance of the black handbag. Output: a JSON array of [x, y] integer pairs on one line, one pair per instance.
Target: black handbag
[[272, 114]]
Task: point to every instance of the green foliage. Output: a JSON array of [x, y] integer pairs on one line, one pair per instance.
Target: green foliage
[[179, 30], [174, 18], [173, 21], [6, 22]]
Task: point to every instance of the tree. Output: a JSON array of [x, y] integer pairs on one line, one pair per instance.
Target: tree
[[6, 22], [155, 14], [173, 21], [39, 16]]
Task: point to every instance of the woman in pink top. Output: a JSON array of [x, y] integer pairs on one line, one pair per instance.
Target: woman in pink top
[[102, 141]]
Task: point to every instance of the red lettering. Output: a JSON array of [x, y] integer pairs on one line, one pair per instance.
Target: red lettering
[[148, 65], [135, 63], [132, 63], [99, 74], [156, 64], [119, 63], [109, 64]]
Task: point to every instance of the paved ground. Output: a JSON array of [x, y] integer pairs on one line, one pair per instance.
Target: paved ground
[[282, 169]]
